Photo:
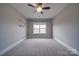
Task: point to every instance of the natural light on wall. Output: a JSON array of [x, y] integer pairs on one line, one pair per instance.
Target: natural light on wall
[[39, 28]]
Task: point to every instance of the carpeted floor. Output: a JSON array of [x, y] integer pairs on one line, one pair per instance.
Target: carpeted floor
[[39, 47]]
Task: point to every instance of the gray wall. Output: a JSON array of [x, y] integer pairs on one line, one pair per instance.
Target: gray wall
[[30, 28], [66, 26], [10, 31]]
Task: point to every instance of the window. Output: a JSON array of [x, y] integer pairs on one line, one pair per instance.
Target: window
[[39, 28]]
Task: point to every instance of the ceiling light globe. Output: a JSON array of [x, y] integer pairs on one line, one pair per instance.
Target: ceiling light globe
[[39, 9]]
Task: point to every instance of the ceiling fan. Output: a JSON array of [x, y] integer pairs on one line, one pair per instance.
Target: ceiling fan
[[39, 7]]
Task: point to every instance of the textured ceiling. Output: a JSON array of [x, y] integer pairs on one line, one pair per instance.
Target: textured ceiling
[[28, 12]]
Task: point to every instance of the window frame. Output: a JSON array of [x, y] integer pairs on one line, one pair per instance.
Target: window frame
[[40, 27]]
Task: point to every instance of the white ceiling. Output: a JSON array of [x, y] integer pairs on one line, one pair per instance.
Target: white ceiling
[[28, 12]]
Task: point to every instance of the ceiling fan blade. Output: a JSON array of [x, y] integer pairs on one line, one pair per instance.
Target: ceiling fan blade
[[31, 5], [45, 8], [39, 4]]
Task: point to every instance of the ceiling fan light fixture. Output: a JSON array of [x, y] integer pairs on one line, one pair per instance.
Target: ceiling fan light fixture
[[39, 9]]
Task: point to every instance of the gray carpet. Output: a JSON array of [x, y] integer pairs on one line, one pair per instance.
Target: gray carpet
[[39, 47]]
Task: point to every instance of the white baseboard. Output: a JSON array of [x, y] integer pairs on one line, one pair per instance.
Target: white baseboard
[[10, 47], [75, 51]]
